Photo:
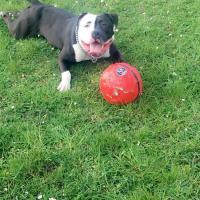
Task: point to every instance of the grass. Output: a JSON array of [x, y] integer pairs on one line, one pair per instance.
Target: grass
[[75, 145]]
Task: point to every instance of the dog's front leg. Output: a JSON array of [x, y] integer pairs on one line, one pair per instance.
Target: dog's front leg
[[115, 55], [64, 64]]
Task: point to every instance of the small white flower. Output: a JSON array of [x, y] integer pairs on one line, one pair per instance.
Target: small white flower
[[186, 129], [5, 189], [116, 30], [39, 196], [76, 1], [167, 116], [38, 35], [181, 35], [26, 193], [102, 1], [52, 198], [157, 47], [75, 103], [144, 13], [174, 74], [138, 143], [170, 34], [12, 107], [52, 48], [55, 5], [183, 100]]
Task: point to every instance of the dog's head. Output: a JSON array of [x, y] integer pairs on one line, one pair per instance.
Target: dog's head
[[96, 32]]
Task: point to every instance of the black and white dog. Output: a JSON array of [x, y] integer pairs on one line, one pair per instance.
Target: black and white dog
[[84, 37]]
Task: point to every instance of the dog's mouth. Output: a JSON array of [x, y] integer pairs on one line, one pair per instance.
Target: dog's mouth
[[96, 48]]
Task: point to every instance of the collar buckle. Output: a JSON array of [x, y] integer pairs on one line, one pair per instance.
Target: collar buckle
[[94, 59]]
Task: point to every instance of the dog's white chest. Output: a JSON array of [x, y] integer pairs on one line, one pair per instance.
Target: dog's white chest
[[81, 55]]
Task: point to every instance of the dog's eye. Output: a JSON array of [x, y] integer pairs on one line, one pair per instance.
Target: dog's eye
[[104, 25], [87, 24]]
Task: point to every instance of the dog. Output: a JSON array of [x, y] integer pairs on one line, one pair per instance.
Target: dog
[[84, 37]]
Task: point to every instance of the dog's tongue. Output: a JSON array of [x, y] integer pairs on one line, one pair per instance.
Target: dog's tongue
[[95, 49]]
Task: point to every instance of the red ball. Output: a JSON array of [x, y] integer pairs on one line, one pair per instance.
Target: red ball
[[120, 83]]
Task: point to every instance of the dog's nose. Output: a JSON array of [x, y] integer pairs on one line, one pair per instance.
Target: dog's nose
[[96, 35]]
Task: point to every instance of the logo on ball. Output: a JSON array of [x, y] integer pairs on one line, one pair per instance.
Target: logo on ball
[[121, 71]]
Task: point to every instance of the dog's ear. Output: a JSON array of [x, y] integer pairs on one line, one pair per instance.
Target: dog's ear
[[113, 18], [81, 16]]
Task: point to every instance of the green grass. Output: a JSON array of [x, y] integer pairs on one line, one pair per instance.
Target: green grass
[[76, 146]]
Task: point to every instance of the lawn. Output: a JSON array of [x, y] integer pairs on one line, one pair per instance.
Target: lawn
[[74, 145]]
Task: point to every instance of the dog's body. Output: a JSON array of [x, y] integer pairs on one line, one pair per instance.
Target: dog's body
[[84, 37]]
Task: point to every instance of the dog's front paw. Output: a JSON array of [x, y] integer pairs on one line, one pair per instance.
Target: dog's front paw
[[65, 82], [64, 86]]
